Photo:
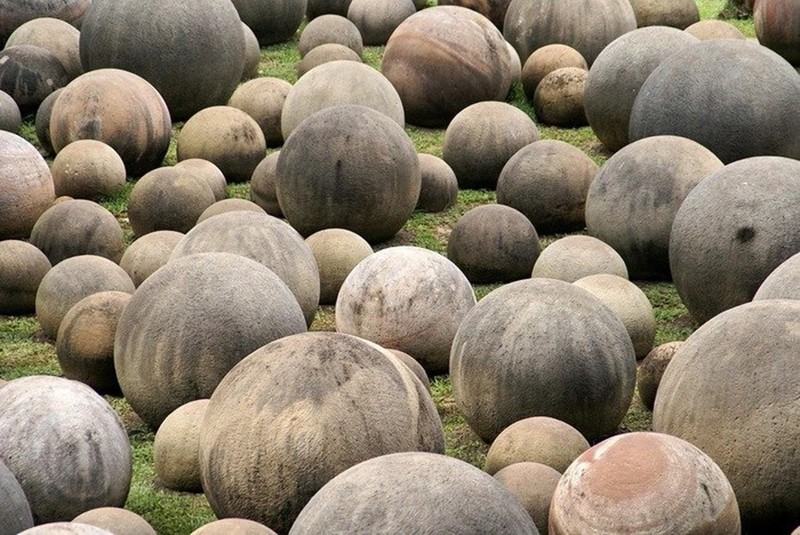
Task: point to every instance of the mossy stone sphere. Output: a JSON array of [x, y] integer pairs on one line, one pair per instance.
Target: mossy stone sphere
[[14, 14], [42, 122], [651, 370], [29, 73], [545, 60], [148, 253], [678, 14], [207, 172], [10, 116], [783, 282], [712, 30], [262, 185], [273, 21], [533, 484], [252, 53], [15, 516], [233, 526], [22, 268], [325, 54], [439, 186], [26, 186], [116, 520], [328, 29], [176, 448], [336, 251], [574, 257], [88, 169], [777, 27], [263, 100], [376, 20], [54, 35], [229, 205], [558, 100]]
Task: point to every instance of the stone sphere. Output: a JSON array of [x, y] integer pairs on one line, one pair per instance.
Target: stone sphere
[[78, 227], [262, 185], [14, 14], [644, 482], [618, 74], [325, 54], [734, 121], [148, 253], [197, 317], [632, 202], [732, 231], [439, 186], [263, 100], [777, 25], [176, 448], [252, 53], [494, 243], [66, 528], [558, 100], [578, 364], [192, 52], [54, 35], [783, 282], [10, 116], [26, 186], [42, 121], [72, 280], [406, 298], [209, 173], [533, 484], [376, 20], [22, 267], [545, 60], [482, 138], [29, 73], [66, 446], [538, 439], [574, 257], [316, 8], [677, 14], [88, 169], [548, 182], [651, 370], [414, 366], [728, 392], [116, 520], [348, 167], [273, 21], [446, 47], [337, 252], [229, 205], [15, 516], [329, 29], [118, 108], [233, 526], [710, 30], [346, 400], [494, 10]]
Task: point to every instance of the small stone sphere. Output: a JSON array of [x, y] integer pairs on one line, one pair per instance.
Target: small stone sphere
[[345, 399], [548, 182], [337, 251], [227, 137], [325, 54], [72, 280], [88, 169], [42, 122], [376, 20], [26, 186], [273, 21], [66, 528], [574, 257], [14, 14], [252, 53], [316, 8], [54, 35], [176, 448], [652, 369], [678, 14], [209, 173], [229, 205], [783, 282], [629, 303], [22, 267], [414, 366], [558, 99], [446, 46], [116, 520], [494, 243], [709, 30], [777, 27], [85, 340], [78, 227], [413, 493], [118, 108], [644, 482], [482, 138], [233, 526], [545, 60], [439, 187], [579, 364], [533, 484], [15, 515], [406, 298], [538, 439], [262, 185], [263, 100], [328, 29], [29, 73], [10, 116], [148, 253], [494, 10], [66, 446]]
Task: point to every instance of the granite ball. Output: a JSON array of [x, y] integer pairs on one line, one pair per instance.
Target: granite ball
[[262, 185], [711, 30], [325, 54], [558, 100], [26, 186], [777, 25], [252, 54], [330, 29], [263, 100], [237, 526], [273, 21], [651, 370], [54, 35], [42, 122], [545, 60], [66, 528], [88, 169], [116, 520], [29, 73], [209, 173], [415, 367], [10, 116], [494, 10], [679, 14], [15, 516], [533, 484], [574, 257], [22, 268], [439, 186], [229, 205], [376, 20], [337, 252], [176, 448], [783, 282], [149, 253], [14, 14], [316, 8]]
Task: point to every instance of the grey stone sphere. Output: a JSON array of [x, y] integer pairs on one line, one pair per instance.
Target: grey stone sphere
[[15, 516], [414, 366], [711, 30], [533, 484], [229, 205], [337, 252], [252, 53], [148, 253], [545, 60], [679, 14], [651, 370], [329, 29], [66, 528], [262, 185], [439, 186], [273, 21], [42, 121], [54, 35], [233, 526], [782, 283], [10, 116], [263, 100], [316, 8], [176, 448], [116, 520], [29, 73], [88, 169], [22, 268], [325, 54], [558, 100], [574, 257], [209, 173], [15, 14], [376, 20]]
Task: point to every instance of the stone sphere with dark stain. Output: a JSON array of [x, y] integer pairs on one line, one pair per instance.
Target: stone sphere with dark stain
[[678, 14], [574, 257], [558, 100], [263, 100], [148, 253], [439, 187], [57, 37], [29, 74], [651, 370], [88, 169], [273, 21], [328, 29], [22, 268], [26, 186], [545, 60]]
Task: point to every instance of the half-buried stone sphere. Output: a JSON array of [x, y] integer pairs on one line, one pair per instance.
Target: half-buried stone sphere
[[273, 21], [15, 515], [545, 60], [325, 54], [207, 172], [348, 167], [783, 282], [239, 526], [116, 520], [377, 19], [533, 484], [191, 322], [263, 100], [678, 14], [558, 100], [29, 74], [14, 14], [88, 169], [22, 267], [145, 255], [176, 448], [343, 399], [229, 205], [439, 186], [574, 257], [263, 184], [651, 370], [56, 36], [330, 29], [337, 252]]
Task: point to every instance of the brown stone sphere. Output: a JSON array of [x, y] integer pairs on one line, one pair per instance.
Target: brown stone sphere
[[376, 20], [545, 60], [446, 46], [262, 185], [176, 448], [533, 484], [233, 526], [54, 35], [316, 8], [116, 520], [494, 10], [252, 53], [329, 29], [29, 73], [148, 253], [26, 186], [558, 100], [22, 267], [574, 257], [229, 205], [208, 172], [263, 100], [88, 169], [652, 369], [325, 54], [10, 116], [273, 21], [337, 251], [709, 30], [777, 27], [677, 14], [439, 188], [783, 282], [14, 14], [118, 108], [414, 366], [42, 121]]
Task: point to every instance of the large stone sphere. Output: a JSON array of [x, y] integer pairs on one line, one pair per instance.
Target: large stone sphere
[[348, 167], [10, 116], [376, 20], [325, 54], [316, 8], [651, 371], [176, 448], [438, 187], [263, 100], [494, 10], [118, 108], [632, 202], [192, 52], [709, 30], [545, 60], [728, 391], [273, 21], [558, 100], [148, 253], [734, 121], [481, 139], [542, 347], [677, 14], [29, 74], [620, 71], [328, 29], [406, 298], [15, 515], [54, 35], [14, 13], [337, 252], [777, 26], [65, 445], [732, 231], [343, 399], [263, 183], [229, 205], [235, 526], [574, 257], [116, 520], [644, 483], [783, 282], [88, 169], [66, 528], [548, 182], [22, 267], [442, 60], [26, 186], [42, 122], [533, 484], [207, 172], [197, 317]]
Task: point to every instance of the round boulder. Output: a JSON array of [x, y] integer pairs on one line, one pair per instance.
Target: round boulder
[[148, 253], [263, 100], [10, 116], [494, 10], [414, 366], [712, 30], [545, 60], [116, 520], [651, 370], [66, 528], [229, 205], [88, 169], [558, 100], [783, 282], [29, 73], [14, 14], [252, 53], [262, 185], [574, 257], [325, 54], [439, 186], [678, 14], [316, 8], [22, 268], [239, 526], [54, 35], [15, 516], [777, 26], [176, 448], [533, 484], [42, 121], [207, 172], [273, 21], [328, 29], [376, 20], [337, 252], [26, 186]]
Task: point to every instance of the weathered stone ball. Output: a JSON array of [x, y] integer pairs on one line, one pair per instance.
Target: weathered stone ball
[[632, 202], [26, 186], [176, 448], [574, 257], [66, 446], [42, 121], [329, 29], [78, 227], [411, 493], [481, 139], [15, 516], [29, 73], [709, 30], [783, 282], [348, 167], [325, 54], [439, 186], [237, 526], [777, 27], [336, 251], [651, 370], [346, 400], [679, 14], [10, 116], [148, 253], [66, 528], [263, 100], [229, 205], [116, 520], [558, 100], [545, 60], [494, 10], [209, 173], [727, 391], [54, 35], [732, 231], [644, 482], [548, 182], [262, 185], [22, 267], [316, 8], [446, 46], [15, 14], [273, 21], [538, 439], [533, 484], [414, 366], [118, 108], [515, 65], [406, 298], [252, 53], [376, 20], [192, 52], [197, 317], [88, 169], [750, 120], [578, 365]]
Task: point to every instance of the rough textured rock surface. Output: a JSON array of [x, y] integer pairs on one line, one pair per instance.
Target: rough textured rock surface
[[54, 35], [678, 14], [783, 282], [337, 252], [533, 484], [263, 100], [439, 186], [116, 520], [15, 516], [273, 21], [22, 268], [88, 169], [148, 253], [651, 370], [558, 100], [176, 448], [574, 257], [29, 74]]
